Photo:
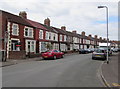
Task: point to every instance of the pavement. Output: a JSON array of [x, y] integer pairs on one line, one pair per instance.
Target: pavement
[[110, 71]]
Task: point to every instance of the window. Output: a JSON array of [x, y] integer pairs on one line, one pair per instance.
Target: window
[[15, 29], [55, 51], [54, 37], [30, 46], [65, 38], [80, 40], [60, 37], [41, 34], [28, 32], [47, 35], [13, 45]]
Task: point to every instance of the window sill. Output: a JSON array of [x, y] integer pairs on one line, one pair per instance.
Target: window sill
[[15, 34], [28, 37]]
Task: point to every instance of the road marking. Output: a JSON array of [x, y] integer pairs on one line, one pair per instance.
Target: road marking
[[116, 84]]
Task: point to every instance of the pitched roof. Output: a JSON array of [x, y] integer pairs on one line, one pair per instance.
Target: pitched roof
[[15, 18], [60, 31], [49, 28], [91, 38], [36, 24]]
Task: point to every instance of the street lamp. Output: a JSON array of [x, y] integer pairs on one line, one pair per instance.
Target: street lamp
[[107, 27]]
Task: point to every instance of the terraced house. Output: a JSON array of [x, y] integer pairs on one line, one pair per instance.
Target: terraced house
[[22, 36]]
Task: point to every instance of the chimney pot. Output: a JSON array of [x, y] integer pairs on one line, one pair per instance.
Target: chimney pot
[[47, 22], [63, 28], [23, 14], [96, 37], [74, 31], [83, 33], [90, 35]]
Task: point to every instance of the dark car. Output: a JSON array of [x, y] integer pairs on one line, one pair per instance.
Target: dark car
[[83, 51], [89, 50], [54, 53], [99, 54]]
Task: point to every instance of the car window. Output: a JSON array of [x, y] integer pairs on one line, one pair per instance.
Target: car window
[[49, 51], [99, 51], [55, 51]]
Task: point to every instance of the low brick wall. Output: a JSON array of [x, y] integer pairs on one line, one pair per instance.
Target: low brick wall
[[17, 55], [34, 55]]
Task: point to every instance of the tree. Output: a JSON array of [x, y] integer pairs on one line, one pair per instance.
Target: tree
[[49, 46]]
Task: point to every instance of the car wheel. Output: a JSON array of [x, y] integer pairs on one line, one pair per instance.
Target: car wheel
[[93, 58], [54, 57]]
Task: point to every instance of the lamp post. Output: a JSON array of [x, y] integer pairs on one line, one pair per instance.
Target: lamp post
[[107, 28]]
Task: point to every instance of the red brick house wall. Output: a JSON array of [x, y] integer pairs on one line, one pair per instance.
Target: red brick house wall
[[1, 30]]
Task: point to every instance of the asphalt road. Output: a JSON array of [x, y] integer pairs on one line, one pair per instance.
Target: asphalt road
[[77, 70]]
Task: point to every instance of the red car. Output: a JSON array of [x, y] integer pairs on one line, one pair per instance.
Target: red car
[[54, 53]]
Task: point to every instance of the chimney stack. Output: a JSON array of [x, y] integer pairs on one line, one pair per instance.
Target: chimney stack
[[47, 22], [23, 14], [63, 28], [74, 31], [104, 39], [96, 36], [100, 38], [90, 35], [83, 33]]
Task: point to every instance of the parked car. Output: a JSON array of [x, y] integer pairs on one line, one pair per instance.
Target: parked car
[[54, 53], [83, 51], [91, 49], [99, 54], [118, 49], [109, 51], [115, 49]]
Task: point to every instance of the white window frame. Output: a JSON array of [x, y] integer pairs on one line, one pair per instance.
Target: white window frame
[[65, 38], [41, 34], [87, 41], [54, 35], [18, 49], [60, 37], [50, 35], [31, 45], [47, 35], [13, 29], [29, 29]]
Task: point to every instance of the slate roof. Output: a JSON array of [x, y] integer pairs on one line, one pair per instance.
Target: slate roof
[[60, 31], [91, 38], [36, 24], [49, 28], [15, 18]]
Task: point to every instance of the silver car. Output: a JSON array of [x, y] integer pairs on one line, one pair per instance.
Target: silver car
[[99, 54]]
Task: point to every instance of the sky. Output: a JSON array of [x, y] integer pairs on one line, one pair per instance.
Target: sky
[[79, 15]]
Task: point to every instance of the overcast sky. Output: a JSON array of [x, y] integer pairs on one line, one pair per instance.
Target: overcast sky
[[80, 15]]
